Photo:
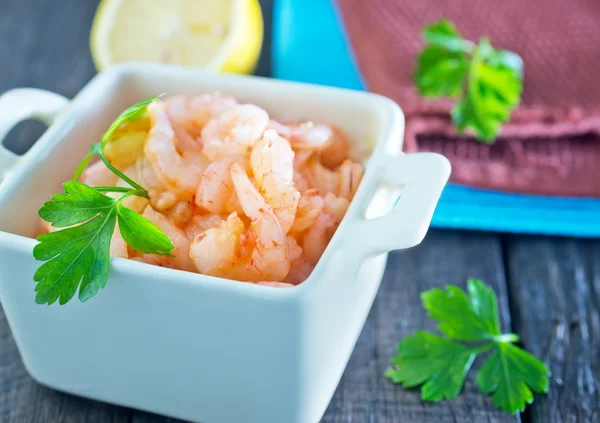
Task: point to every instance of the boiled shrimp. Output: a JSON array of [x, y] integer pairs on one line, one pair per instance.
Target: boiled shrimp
[[308, 136], [337, 150], [151, 259], [327, 139], [202, 222], [213, 251], [179, 171], [161, 198], [350, 176], [261, 254], [183, 140], [216, 187], [270, 257], [317, 237], [193, 113], [336, 206], [98, 175], [301, 157], [272, 162], [294, 249], [240, 195], [300, 270], [281, 129], [178, 238], [343, 181], [276, 284], [320, 177], [181, 213], [310, 206], [234, 132]]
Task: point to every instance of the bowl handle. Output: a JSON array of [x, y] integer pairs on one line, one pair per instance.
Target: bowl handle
[[18, 105], [424, 176]]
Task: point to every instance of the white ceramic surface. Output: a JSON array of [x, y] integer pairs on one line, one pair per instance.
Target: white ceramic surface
[[191, 346]]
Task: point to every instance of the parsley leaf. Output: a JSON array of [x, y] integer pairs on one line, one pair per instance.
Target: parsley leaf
[[494, 89], [467, 318], [438, 363], [485, 305], [78, 256], [510, 374], [78, 204], [487, 81], [444, 34], [471, 325], [442, 67], [141, 234]]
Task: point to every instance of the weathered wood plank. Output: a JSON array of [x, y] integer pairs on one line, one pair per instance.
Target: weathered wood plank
[[555, 292], [364, 395]]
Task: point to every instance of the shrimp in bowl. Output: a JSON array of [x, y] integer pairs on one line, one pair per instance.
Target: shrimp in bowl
[[240, 194]]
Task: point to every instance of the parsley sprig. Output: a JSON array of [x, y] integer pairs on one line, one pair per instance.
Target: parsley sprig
[[471, 326], [78, 255], [486, 81]]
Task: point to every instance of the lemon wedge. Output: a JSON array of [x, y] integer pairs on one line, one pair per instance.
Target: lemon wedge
[[218, 35]]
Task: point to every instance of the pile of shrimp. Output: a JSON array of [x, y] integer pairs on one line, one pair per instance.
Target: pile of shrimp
[[240, 195]]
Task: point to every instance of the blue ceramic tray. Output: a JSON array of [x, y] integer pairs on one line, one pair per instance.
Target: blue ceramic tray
[[309, 45]]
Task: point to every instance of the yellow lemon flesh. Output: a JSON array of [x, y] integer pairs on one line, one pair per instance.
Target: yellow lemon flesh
[[218, 35]]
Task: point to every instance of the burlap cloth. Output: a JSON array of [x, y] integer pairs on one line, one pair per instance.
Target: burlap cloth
[[552, 144]]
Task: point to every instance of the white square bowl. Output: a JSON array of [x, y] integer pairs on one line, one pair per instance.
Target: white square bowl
[[192, 346]]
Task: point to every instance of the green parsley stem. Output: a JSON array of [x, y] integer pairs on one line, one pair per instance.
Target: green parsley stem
[[113, 189], [82, 166], [129, 194], [143, 193], [471, 85], [507, 337]]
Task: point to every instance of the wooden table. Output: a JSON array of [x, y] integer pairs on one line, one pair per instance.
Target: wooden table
[[549, 288]]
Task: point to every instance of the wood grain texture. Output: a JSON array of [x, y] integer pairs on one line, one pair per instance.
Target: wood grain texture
[[556, 296]]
